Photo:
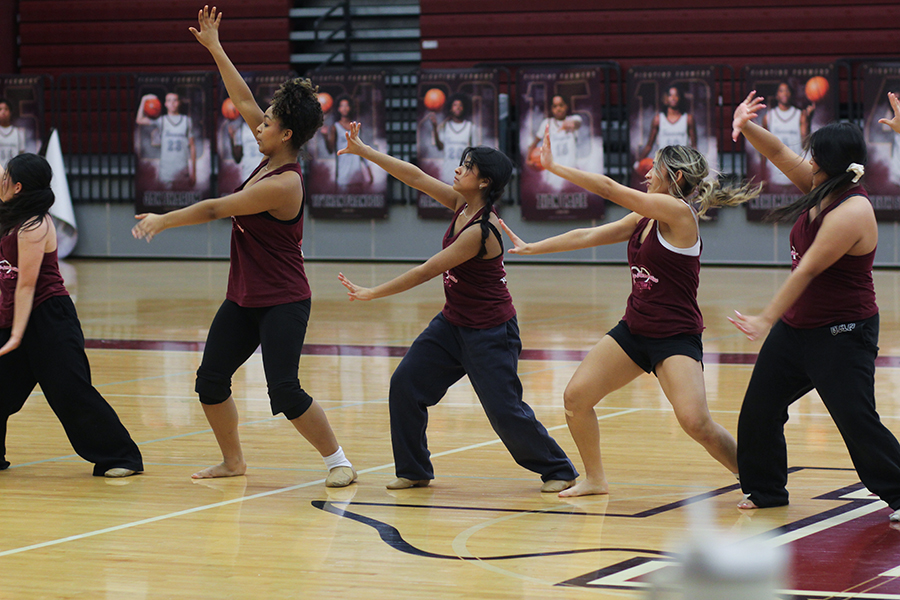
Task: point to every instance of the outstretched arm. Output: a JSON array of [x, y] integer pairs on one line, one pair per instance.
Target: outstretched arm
[[662, 207], [238, 90], [267, 195], [409, 174], [464, 248], [783, 158], [576, 239]]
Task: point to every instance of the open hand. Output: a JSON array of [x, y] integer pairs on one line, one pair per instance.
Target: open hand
[[354, 291], [755, 327], [893, 123], [209, 21], [546, 150], [354, 144], [745, 112], [519, 247], [148, 226]]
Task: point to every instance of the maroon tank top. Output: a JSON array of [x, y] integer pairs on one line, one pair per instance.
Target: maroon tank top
[[266, 256], [841, 293], [49, 282], [475, 291], [663, 300]]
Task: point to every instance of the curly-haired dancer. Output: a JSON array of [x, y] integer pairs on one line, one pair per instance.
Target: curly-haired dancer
[[268, 298]]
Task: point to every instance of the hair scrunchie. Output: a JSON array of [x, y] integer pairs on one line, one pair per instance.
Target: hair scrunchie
[[858, 171]]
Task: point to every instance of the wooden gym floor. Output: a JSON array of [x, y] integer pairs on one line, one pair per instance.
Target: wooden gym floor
[[482, 530]]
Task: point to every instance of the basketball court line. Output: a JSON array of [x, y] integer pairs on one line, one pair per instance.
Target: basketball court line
[[291, 488]]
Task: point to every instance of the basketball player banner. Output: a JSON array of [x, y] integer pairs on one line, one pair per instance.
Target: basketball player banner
[[457, 109], [20, 126], [799, 99], [236, 148], [670, 106], [348, 186], [882, 178], [173, 141], [568, 101]]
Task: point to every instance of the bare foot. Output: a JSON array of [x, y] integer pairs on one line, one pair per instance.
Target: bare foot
[[221, 470], [746, 504], [585, 488]]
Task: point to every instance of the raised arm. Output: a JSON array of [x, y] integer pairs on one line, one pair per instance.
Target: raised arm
[[849, 228], [576, 239], [464, 248], [277, 195], [238, 90], [662, 207], [409, 174], [783, 158]]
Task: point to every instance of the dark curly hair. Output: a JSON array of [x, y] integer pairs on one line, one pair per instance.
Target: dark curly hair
[[296, 107]]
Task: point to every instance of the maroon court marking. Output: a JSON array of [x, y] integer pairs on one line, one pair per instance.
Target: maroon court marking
[[720, 358]]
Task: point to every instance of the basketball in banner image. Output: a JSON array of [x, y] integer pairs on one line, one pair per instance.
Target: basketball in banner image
[[670, 106], [456, 110], [346, 186], [566, 104], [173, 148]]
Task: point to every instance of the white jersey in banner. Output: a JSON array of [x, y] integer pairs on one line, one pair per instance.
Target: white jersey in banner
[[349, 166], [563, 140], [785, 125], [251, 156], [174, 156], [456, 138], [12, 142], [672, 134]]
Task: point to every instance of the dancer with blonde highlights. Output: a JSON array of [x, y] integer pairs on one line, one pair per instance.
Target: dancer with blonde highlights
[[662, 326]]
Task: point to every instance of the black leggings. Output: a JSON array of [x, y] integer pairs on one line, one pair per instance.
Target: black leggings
[[52, 354], [839, 363], [235, 334]]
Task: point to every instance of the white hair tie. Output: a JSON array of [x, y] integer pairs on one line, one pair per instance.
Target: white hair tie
[[858, 169]]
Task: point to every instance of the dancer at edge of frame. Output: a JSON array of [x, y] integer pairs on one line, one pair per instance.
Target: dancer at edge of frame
[[820, 330]]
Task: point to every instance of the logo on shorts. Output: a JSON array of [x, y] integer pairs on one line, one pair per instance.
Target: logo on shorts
[[7, 271], [845, 328], [641, 278]]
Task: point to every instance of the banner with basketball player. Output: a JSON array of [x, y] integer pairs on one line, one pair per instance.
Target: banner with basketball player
[[21, 115], [236, 148], [882, 178], [347, 186], [568, 102], [670, 106], [457, 109], [172, 141], [799, 99]]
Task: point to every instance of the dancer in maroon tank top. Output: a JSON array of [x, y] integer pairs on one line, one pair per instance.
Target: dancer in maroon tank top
[[821, 328], [41, 341], [661, 329], [268, 298], [476, 334]]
